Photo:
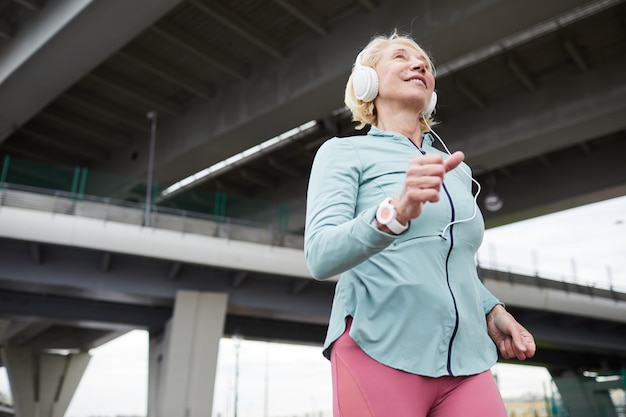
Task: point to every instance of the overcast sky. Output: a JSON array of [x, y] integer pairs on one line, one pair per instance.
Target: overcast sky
[[586, 245]]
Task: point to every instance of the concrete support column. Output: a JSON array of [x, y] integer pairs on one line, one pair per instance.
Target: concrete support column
[[43, 384], [585, 397], [183, 360]]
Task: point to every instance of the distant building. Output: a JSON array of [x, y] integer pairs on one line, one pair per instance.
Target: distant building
[[531, 407]]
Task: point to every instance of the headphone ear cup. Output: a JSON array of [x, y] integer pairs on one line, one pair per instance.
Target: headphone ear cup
[[365, 83], [431, 106]]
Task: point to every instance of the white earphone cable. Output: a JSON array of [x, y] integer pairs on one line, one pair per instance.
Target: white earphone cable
[[445, 229]]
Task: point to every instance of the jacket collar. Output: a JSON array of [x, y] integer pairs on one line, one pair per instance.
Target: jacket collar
[[427, 138]]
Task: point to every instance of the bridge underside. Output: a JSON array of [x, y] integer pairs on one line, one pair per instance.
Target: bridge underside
[[69, 282], [260, 306], [533, 93]]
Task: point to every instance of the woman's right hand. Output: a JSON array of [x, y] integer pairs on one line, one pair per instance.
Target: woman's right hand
[[423, 183]]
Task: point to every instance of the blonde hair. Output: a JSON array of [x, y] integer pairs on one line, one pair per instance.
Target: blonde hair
[[365, 112]]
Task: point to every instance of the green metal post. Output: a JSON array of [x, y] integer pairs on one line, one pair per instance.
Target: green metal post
[[83, 183], [75, 181], [223, 206], [219, 205], [155, 193], [283, 217], [5, 169]]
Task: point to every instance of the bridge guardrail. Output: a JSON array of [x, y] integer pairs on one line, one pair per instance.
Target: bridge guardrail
[[108, 209], [541, 282], [560, 269]]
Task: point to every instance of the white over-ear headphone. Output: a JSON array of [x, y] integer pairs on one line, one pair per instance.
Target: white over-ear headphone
[[364, 81], [365, 85]]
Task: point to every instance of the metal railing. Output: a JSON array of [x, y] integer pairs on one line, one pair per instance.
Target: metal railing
[[553, 268], [183, 221]]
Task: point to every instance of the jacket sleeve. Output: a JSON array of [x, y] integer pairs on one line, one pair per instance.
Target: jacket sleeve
[[336, 238], [489, 300]]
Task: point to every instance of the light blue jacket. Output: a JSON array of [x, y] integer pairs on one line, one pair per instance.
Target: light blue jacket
[[416, 300]]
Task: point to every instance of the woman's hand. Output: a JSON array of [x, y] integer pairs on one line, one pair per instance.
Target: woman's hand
[[511, 338], [423, 183]]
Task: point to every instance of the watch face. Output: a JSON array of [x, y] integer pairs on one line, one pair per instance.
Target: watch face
[[385, 213]]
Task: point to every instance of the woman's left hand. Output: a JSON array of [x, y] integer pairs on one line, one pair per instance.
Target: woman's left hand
[[511, 338]]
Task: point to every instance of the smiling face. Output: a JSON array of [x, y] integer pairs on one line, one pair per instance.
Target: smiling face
[[405, 77]]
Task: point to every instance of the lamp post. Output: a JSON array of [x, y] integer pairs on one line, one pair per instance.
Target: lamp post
[[152, 116], [267, 372], [237, 342]]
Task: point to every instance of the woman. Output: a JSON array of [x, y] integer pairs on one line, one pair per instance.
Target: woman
[[412, 328]]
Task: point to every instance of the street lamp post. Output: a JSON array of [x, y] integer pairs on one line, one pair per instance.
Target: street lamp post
[[147, 216], [237, 342]]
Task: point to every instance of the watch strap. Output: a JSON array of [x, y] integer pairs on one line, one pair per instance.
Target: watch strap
[[397, 227]]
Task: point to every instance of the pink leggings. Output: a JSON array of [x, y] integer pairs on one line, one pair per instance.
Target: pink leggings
[[363, 387]]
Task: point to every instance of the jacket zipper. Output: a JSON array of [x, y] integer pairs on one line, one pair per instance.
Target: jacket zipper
[[456, 310]]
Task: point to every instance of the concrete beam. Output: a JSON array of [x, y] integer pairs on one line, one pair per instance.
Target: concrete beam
[[556, 301], [309, 82], [576, 178], [60, 45], [76, 231], [561, 113]]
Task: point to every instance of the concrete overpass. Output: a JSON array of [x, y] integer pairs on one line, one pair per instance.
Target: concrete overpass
[[77, 273], [534, 93]]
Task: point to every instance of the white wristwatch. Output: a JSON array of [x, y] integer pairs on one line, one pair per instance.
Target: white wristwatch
[[386, 214]]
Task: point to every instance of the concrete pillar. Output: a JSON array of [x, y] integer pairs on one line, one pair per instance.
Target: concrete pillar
[[43, 384], [156, 354], [183, 360], [585, 397]]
